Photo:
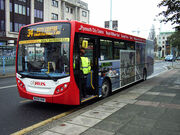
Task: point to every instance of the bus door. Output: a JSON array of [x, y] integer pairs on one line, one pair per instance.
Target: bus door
[[90, 45]]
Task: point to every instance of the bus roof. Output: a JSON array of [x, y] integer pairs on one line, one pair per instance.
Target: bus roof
[[94, 30]]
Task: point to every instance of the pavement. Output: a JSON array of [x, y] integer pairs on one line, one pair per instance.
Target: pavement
[[151, 107]]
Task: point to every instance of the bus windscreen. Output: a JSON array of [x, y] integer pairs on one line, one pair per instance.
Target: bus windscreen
[[43, 51]]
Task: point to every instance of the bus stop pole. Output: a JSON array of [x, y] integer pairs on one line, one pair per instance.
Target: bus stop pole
[[4, 62]]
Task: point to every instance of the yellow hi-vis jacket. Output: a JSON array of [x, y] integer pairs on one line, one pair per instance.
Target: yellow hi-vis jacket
[[85, 65]]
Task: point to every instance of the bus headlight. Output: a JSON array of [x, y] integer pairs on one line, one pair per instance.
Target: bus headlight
[[61, 88]]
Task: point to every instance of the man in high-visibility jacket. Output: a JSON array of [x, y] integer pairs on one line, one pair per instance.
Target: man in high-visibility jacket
[[85, 63], [85, 68]]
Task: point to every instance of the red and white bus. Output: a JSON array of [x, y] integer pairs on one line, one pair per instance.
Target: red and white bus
[[48, 65]]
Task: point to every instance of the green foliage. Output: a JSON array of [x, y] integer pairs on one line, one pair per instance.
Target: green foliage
[[172, 14], [174, 40]]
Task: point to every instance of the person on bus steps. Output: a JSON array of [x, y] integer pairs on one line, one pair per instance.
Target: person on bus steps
[[86, 69]]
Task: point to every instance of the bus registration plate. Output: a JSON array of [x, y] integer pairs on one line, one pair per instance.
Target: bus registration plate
[[39, 99]]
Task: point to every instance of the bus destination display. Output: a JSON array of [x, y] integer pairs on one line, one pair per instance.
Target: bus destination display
[[56, 32]]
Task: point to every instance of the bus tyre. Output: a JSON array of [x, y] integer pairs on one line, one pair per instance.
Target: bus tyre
[[105, 89], [144, 75]]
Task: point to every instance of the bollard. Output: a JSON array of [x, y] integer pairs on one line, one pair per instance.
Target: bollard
[[4, 64]]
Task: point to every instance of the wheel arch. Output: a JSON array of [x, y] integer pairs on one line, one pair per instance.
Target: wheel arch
[[110, 84]]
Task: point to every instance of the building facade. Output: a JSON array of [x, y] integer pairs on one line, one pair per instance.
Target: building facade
[[164, 47], [17, 13], [114, 25]]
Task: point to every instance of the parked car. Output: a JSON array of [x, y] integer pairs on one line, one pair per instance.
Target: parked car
[[178, 58], [170, 58]]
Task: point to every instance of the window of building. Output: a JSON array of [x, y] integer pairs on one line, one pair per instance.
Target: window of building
[[54, 3], [20, 25], [2, 25], [24, 10], [16, 8], [84, 13], [41, 14], [35, 13], [1, 4], [38, 13], [16, 27], [54, 16], [40, 0], [71, 10], [27, 11], [20, 9], [23, 0], [106, 49], [10, 7], [11, 26], [67, 9]]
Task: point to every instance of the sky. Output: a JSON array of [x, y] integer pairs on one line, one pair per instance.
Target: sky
[[132, 15]]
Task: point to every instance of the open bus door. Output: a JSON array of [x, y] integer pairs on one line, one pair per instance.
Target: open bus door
[[90, 45]]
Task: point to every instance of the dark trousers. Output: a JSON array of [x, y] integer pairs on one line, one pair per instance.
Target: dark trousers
[[83, 84]]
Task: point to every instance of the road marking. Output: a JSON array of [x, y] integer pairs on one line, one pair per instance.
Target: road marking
[[42, 123], [5, 87]]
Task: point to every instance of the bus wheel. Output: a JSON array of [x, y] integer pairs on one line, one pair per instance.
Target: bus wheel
[[105, 89], [144, 75]]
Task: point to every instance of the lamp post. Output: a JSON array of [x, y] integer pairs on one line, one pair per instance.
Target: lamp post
[[110, 22], [160, 47]]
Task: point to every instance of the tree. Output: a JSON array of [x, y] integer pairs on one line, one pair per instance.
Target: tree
[[155, 45], [174, 41], [172, 13]]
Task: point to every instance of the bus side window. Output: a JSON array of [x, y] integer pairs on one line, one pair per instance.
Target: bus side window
[[118, 45], [106, 49], [130, 45]]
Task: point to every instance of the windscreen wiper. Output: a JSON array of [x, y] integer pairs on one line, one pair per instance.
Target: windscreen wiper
[[53, 78]]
